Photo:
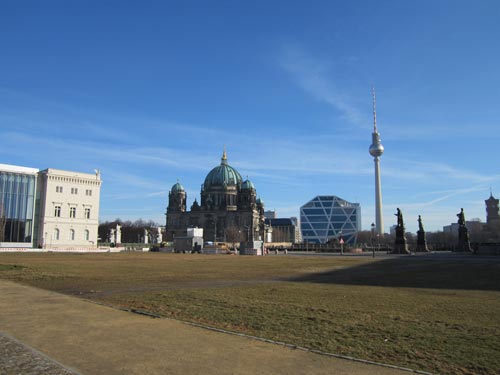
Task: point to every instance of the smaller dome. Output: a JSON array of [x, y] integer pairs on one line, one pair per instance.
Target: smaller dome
[[247, 185], [259, 202], [177, 188]]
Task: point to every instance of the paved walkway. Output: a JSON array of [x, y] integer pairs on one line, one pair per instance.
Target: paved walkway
[[87, 338], [16, 358]]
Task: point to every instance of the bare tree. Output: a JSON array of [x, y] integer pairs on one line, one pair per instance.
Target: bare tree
[[365, 237], [233, 235]]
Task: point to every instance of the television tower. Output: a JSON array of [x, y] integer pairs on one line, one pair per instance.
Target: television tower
[[376, 150]]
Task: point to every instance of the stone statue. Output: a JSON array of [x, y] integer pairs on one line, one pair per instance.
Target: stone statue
[[461, 217], [400, 218], [400, 245], [118, 234], [112, 238], [420, 226], [463, 233], [159, 235], [146, 236], [421, 241]]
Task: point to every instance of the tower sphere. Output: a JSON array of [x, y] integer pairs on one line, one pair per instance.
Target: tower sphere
[[376, 149]]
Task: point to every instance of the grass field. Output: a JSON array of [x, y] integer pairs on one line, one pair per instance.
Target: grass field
[[434, 313]]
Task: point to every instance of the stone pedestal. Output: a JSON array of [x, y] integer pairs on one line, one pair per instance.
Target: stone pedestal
[[463, 239], [421, 242], [251, 248], [400, 245]]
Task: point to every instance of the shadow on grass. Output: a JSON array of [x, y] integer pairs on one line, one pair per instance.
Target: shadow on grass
[[438, 272]]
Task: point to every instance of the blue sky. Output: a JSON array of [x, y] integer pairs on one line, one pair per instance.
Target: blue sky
[[150, 92]]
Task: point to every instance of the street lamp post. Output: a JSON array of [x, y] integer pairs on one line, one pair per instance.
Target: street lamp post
[[373, 235], [215, 231], [341, 241]]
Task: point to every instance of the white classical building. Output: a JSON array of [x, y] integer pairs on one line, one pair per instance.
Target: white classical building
[[69, 208], [48, 209]]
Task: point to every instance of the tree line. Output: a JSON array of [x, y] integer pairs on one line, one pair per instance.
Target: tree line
[[131, 231]]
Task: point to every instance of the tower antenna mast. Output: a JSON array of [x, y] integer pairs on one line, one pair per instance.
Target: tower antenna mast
[[374, 110]]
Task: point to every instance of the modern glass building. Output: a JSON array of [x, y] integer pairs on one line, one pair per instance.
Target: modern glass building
[[329, 217], [17, 205]]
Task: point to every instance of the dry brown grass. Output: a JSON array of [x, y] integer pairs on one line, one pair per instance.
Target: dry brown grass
[[438, 314]]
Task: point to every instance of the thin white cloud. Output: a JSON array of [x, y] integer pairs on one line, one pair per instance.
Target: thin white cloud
[[441, 198], [428, 170], [312, 76], [125, 178]]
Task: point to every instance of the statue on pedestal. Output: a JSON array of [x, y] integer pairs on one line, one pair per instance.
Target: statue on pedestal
[[421, 241], [112, 238], [118, 234], [400, 218], [463, 233], [400, 245]]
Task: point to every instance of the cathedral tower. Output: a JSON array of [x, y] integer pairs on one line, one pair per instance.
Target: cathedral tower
[[177, 198]]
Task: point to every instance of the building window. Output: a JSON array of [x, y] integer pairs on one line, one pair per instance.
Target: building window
[[56, 234], [72, 212], [17, 193], [87, 213], [86, 234], [88, 192], [57, 211], [74, 190], [59, 189], [72, 234]]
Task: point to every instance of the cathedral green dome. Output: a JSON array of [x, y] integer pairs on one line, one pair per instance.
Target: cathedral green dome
[[177, 188], [222, 175], [247, 185]]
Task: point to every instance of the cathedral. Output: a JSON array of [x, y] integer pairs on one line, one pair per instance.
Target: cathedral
[[229, 210]]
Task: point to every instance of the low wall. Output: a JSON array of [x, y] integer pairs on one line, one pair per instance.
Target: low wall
[[216, 250], [61, 250]]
